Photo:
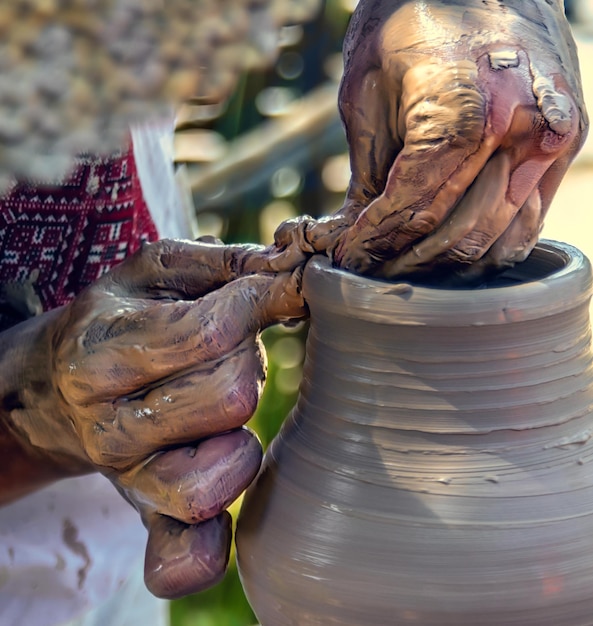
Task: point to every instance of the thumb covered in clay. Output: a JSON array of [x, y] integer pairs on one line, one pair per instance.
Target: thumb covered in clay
[[182, 495]]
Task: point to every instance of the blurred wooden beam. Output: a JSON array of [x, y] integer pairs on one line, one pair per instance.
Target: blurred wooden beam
[[303, 137]]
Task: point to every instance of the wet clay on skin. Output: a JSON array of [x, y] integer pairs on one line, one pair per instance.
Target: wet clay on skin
[[147, 376], [436, 469], [455, 113]]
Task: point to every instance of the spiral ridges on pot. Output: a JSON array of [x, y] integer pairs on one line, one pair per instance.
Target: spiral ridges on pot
[[436, 470]]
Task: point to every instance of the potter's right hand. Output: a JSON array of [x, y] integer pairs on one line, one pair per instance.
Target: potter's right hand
[[462, 118], [147, 377]]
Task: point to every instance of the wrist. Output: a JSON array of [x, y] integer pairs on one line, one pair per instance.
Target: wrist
[[38, 445]]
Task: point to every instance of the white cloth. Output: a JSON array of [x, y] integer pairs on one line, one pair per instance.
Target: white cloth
[[170, 208], [70, 548]]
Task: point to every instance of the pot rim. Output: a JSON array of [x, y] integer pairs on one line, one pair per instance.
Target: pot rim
[[339, 292]]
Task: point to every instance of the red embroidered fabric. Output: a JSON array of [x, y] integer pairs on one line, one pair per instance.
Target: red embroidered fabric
[[73, 233]]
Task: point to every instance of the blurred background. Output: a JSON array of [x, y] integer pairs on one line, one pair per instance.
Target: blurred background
[[276, 150]]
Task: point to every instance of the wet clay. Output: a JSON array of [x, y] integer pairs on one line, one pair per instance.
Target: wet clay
[[147, 376], [461, 120], [437, 467]]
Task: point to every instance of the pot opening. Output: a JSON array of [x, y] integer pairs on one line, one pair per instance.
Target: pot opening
[[545, 259]]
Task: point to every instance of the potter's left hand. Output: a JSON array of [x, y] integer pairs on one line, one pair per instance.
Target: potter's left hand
[[147, 376], [462, 118]]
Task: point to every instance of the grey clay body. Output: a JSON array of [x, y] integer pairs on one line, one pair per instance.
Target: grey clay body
[[437, 468]]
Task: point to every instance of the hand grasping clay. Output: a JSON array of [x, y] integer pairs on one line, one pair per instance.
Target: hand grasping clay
[[147, 377], [461, 119]]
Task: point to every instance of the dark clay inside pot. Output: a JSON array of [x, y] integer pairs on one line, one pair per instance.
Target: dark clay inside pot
[[544, 260]]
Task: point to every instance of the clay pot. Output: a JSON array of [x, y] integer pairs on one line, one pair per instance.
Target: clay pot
[[437, 468]]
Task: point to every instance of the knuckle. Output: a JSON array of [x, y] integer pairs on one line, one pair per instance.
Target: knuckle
[[240, 401], [417, 223], [106, 444], [445, 105], [159, 255], [102, 449], [471, 249], [557, 108]]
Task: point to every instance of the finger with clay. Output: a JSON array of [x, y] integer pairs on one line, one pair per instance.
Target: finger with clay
[[148, 377]]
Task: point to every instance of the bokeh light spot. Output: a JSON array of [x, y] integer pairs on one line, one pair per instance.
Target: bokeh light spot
[[288, 381], [274, 101], [290, 35], [285, 182], [336, 173], [272, 216], [287, 352], [211, 224], [290, 65]]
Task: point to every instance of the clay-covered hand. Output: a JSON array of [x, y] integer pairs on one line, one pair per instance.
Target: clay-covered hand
[[148, 376], [462, 117]]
